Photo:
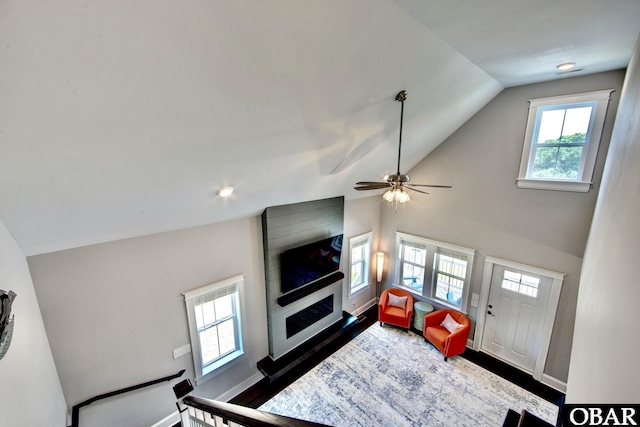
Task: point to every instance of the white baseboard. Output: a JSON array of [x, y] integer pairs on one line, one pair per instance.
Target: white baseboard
[[229, 394], [168, 421], [366, 306], [554, 383]]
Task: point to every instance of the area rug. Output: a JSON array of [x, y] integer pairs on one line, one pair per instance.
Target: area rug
[[387, 377]]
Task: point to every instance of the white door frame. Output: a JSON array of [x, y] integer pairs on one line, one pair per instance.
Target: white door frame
[[554, 298]]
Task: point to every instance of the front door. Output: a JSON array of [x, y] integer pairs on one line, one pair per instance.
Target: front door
[[516, 311]]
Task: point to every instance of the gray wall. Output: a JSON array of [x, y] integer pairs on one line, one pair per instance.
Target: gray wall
[[30, 391], [487, 212], [604, 362], [362, 216], [114, 312]]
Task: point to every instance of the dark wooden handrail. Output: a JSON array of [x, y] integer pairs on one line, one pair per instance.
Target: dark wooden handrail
[[75, 411], [245, 416]]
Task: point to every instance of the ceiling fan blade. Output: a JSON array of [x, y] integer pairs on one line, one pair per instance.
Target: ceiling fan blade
[[428, 185], [377, 186], [415, 189], [372, 183]]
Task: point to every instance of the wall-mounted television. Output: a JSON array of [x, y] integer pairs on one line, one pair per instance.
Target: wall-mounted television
[[305, 264]]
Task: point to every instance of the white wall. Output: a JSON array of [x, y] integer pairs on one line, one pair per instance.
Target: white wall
[[30, 391], [115, 311], [606, 343], [487, 212]]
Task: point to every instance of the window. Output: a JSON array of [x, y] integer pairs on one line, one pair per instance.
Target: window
[[359, 260], [450, 271], [214, 317], [520, 283], [413, 257], [561, 141], [435, 270]]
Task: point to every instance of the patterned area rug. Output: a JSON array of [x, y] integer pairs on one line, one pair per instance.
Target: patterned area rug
[[387, 377]]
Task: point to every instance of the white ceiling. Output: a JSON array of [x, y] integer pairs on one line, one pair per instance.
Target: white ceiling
[[119, 118]]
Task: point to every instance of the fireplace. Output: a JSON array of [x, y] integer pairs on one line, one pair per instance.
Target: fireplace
[[308, 316], [296, 315]]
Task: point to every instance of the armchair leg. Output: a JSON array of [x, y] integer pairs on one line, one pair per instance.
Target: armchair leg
[[445, 358], [380, 323]]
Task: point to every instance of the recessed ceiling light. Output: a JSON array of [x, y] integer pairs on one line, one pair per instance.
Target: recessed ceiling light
[[566, 66], [225, 191]]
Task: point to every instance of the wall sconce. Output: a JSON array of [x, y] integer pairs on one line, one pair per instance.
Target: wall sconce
[[379, 270]]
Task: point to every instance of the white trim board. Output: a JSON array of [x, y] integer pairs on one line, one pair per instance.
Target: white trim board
[[554, 383], [168, 421]]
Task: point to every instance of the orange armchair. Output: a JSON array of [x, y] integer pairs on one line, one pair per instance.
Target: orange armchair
[[449, 343], [395, 309]]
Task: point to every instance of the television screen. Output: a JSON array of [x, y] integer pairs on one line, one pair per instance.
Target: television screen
[[308, 263]]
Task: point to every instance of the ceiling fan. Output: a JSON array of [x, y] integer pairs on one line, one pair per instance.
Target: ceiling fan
[[398, 183]]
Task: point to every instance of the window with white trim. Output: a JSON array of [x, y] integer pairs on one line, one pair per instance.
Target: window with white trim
[[434, 270], [360, 262], [520, 283], [412, 259], [561, 141], [215, 326]]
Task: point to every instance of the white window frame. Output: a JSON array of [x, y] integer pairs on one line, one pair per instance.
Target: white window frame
[[234, 285], [583, 182], [434, 249], [417, 243], [361, 240]]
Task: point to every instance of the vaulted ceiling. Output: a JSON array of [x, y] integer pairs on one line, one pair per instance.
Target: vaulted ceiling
[[120, 118]]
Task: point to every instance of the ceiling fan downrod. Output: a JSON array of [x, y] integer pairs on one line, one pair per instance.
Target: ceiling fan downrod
[[396, 184], [400, 97]]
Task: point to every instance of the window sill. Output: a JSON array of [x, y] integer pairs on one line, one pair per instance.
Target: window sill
[[220, 366], [358, 289], [539, 184], [438, 303], [417, 292]]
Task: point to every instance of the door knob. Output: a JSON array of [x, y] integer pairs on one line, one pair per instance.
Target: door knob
[[490, 313], [490, 306]]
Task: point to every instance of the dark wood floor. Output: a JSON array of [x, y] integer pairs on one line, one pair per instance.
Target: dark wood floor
[[301, 360]]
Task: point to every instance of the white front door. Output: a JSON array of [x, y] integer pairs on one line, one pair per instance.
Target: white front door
[[516, 310]]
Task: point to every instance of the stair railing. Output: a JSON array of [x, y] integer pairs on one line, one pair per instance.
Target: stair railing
[[75, 411], [212, 413]]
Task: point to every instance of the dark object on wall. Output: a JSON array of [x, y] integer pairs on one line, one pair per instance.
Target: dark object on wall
[[6, 320], [302, 292], [183, 388], [308, 263]]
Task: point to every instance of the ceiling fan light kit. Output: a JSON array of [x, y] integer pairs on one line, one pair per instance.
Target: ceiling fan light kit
[[397, 195], [398, 183]]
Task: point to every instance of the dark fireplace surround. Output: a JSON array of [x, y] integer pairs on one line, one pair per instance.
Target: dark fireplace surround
[[297, 316]]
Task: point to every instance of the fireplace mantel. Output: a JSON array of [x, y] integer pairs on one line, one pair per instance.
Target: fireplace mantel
[[300, 293]]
